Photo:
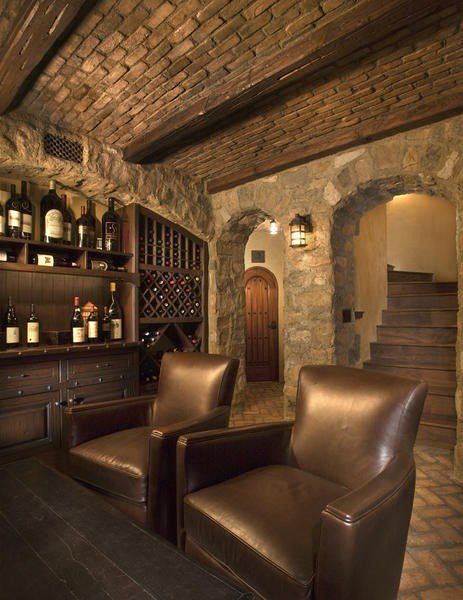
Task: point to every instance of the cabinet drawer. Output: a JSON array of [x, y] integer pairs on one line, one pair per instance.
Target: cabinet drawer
[[104, 377], [27, 421], [23, 378], [100, 393], [99, 366]]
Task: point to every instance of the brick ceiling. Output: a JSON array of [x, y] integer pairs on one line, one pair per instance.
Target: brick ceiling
[[130, 64]]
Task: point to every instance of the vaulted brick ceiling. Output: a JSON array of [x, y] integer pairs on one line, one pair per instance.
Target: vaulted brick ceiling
[[131, 64]]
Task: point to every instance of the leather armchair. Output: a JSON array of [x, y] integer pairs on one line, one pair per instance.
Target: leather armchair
[[126, 448], [318, 508]]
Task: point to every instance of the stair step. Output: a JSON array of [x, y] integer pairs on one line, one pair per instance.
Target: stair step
[[409, 276], [409, 354], [440, 381], [433, 433], [421, 287], [416, 335], [446, 317], [439, 406], [444, 300]]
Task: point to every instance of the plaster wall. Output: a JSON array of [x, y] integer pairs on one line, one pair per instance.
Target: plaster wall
[[370, 255]]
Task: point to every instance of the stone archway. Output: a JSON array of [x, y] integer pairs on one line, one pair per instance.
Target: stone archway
[[346, 217], [227, 301]]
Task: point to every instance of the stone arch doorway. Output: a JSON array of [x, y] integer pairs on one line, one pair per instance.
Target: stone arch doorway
[[227, 298], [345, 222]]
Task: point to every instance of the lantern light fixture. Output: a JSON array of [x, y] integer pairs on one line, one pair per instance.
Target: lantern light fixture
[[299, 227], [273, 227]]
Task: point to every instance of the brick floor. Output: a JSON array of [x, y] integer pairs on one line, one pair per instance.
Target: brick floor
[[433, 568]]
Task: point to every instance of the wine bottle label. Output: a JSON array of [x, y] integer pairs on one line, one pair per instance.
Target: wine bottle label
[[3, 256], [2, 224], [12, 335], [112, 233], [45, 260], [83, 230], [106, 327], [93, 329], [27, 223], [116, 329], [78, 335], [54, 224], [14, 218], [67, 229], [32, 333]]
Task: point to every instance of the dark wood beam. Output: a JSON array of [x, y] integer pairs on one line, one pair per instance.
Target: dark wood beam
[[422, 113], [40, 25], [365, 23]]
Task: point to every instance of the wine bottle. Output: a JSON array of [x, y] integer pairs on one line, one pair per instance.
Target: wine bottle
[[77, 323], [33, 328], [52, 216], [2, 221], [67, 222], [111, 229], [83, 236], [91, 224], [50, 260], [11, 326], [115, 315], [7, 256], [106, 325], [92, 325], [26, 213], [13, 214]]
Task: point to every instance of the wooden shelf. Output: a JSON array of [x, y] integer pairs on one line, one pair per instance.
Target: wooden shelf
[[38, 244], [150, 267], [162, 321], [47, 350], [114, 275]]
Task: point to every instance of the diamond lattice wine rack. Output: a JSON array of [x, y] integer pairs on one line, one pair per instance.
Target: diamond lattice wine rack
[[172, 264]]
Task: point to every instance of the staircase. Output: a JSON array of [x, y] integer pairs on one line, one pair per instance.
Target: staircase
[[417, 339]]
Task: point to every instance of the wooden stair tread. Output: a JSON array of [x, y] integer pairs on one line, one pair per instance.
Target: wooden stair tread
[[438, 421], [418, 295], [415, 345], [418, 326], [406, 310], [410, 366]]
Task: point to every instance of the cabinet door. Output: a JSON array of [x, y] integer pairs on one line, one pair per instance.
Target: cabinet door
[[27, 421], [102, 392]]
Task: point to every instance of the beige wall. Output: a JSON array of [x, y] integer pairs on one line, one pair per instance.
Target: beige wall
[[274, 247], [421, 233], [371, 276]]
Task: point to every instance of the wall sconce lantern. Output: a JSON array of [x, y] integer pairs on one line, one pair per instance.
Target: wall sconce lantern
[[273, 227], [299, 227]]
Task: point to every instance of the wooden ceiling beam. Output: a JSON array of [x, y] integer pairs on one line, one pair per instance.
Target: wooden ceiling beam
[[40, 25], [422, 113], [365, 23]]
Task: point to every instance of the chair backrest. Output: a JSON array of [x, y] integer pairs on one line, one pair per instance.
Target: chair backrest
[[351, 422], [193, 383]]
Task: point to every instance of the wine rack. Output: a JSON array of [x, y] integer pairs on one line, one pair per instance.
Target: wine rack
[[172, 265]]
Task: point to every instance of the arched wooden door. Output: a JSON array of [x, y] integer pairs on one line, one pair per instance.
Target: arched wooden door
[[261, 325]]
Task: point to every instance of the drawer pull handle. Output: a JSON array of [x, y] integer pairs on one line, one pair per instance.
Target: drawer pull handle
[[100, 379], [77, 400], [104, 365], [61, 403], [21, 376], [49, 388], [20, 392]]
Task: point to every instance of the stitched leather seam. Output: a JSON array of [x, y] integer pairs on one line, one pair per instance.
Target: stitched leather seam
[[264, 558], [333, 512]]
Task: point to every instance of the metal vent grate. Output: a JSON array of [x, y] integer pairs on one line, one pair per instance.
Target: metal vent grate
[[61, 147]]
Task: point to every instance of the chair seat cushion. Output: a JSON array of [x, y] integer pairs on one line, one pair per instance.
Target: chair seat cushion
[[263, 526], [116, 464]]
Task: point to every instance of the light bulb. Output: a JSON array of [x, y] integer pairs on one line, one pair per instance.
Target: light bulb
[[273, 227]]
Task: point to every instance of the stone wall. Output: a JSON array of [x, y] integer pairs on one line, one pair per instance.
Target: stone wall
[[336, 191], [104, 173]]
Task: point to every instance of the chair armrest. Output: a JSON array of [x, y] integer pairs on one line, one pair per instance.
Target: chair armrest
[[205, 459], [86, 422], [162, 514], [364, 534]]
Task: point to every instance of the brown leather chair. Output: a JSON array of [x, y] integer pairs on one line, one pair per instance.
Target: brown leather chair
[[315, 509], [126, 448]]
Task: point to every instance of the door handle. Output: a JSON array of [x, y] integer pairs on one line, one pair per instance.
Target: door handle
[[273, 325], [62, 403]]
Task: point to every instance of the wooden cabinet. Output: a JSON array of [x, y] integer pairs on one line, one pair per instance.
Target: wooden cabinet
[[34, 390]]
